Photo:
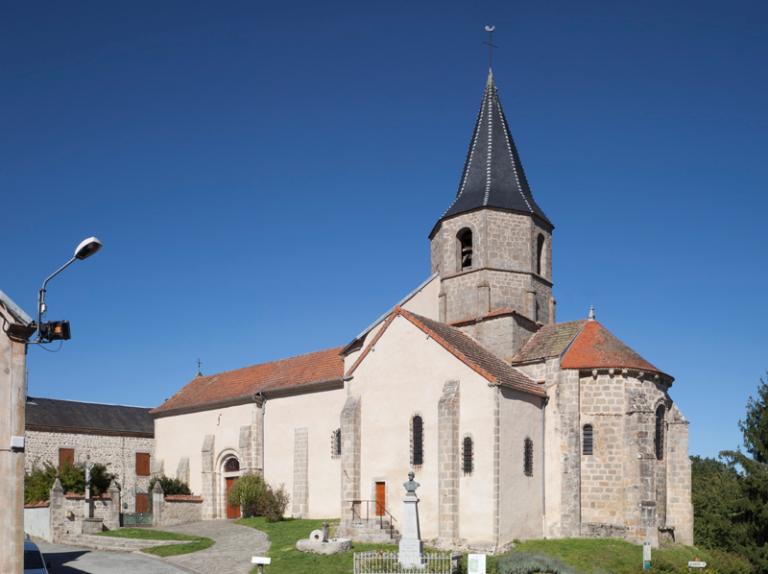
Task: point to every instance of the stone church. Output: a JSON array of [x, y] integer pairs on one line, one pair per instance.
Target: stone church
[[516, 426]]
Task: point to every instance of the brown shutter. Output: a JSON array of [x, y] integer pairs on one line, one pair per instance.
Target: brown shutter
[[142, 464], [66, 455]]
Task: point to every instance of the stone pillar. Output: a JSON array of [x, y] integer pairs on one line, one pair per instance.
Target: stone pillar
[[552, 310], [112, 517], [531, 305], [442, 306], [251, 440], [209, 478], [568, 400], [158, 503], [350, 456], [448, 464], [679, 506], [410, 546], [182, 470], [300, 472], [57, 512]]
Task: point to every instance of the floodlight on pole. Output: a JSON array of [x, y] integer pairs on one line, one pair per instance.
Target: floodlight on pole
[[59, 330]]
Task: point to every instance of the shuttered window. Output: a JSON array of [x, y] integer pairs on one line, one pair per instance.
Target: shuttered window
[[66, 456], [142, 464]]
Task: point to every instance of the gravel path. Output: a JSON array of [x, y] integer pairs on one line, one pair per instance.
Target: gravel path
[[235, 545]]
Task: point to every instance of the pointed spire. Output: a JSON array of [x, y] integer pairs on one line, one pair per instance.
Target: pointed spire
[[493, 175]]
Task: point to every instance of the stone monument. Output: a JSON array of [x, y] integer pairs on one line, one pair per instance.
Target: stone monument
[[411, 548]]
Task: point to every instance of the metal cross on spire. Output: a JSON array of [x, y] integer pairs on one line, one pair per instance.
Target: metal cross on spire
[[199, 368], [490, 44]]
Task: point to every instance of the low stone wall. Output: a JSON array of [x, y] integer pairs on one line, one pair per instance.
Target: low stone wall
[[37, 520], [68, 512], [175, 508]]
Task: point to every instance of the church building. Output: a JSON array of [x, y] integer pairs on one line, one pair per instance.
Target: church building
[[516, 426]]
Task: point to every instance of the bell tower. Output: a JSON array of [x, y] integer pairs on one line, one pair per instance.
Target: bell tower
[[492, 248]]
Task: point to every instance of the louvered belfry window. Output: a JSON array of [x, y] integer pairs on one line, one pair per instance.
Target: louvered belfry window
[[417, 441], [467, 454], [587, 443], [528, 457]]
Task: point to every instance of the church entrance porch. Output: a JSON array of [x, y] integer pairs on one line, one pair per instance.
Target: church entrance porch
[[229, 474]]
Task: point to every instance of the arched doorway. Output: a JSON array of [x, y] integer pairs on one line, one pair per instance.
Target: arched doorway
[[230, 472]]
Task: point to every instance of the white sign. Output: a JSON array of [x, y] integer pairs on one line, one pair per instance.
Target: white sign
[[476, 564], [697, 564], [647, 552]]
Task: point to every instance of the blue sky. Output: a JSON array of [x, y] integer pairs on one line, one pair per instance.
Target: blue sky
[[264, 177]]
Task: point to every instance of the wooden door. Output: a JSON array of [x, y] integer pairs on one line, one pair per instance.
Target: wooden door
[[233, 511], [142, 502], [381, 498], [66, 456]]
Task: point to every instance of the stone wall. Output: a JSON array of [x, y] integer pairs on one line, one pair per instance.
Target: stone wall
[[117, 453], [503, 335], [177, 509], [300, 498], [448, 464], [679, 506], [504, 265], [68, 512], [350, 457]]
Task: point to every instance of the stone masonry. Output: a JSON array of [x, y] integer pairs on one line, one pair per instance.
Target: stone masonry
[[208, 477], [448, 464], [300, 498], [117, 453], [252, 441], [350, 457]]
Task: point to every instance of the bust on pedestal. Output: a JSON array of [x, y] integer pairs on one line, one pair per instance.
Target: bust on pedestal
[[410, 550]]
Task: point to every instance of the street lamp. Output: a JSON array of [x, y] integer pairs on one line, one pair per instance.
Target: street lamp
[[59, 330]]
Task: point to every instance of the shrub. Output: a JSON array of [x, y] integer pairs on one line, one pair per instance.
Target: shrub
[[257, 498], [524, 563], [39, 481], [169, 485]]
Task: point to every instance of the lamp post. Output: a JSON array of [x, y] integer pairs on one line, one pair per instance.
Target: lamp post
[[18, 329]]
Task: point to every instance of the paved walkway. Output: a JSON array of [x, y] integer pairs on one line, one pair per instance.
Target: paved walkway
[[66, 559], [235, 544]]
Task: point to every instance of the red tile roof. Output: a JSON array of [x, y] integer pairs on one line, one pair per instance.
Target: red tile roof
[[596, 347], [242, 384]]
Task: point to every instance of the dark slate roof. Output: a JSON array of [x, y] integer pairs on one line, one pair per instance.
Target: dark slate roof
[[493, 174], [549, 341], [470, 351], [56, 415]]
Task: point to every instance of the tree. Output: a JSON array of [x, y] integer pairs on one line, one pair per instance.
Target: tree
[[751, 510], [716, 494], [39, 481], [170, 485]]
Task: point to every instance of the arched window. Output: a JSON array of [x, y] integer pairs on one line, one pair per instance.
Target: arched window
[[587, 443], [231, 465], [417, 441], [528, 457], [540, 255], [336, 443], [659, 436], [465, 248], [467, 454]]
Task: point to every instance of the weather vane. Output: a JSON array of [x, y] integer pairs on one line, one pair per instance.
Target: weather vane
[[490, 44]]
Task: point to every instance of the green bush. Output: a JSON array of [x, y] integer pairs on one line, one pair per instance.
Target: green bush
[[39, 481], [257, 498], [524, 563], [169, 485]]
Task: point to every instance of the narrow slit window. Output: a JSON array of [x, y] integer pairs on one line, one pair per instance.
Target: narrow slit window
[[465, 248], [336, 443], [659, 435], [417, 441], [467, 454], [528, 457], [540, 255], [587, 443]]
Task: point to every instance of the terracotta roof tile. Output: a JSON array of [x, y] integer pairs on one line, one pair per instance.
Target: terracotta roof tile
[[549, 341], [317, 367], [596, 347]]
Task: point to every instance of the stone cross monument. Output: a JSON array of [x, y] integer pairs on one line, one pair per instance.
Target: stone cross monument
[[410, 550]]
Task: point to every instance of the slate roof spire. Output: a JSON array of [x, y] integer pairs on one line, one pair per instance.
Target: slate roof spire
[[493, 175]]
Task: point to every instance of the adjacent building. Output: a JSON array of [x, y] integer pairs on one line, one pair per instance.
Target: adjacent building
[[119, 437]]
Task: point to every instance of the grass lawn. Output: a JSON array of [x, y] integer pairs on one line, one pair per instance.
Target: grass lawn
[[287, 560], [609, 556], [190, 543]]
